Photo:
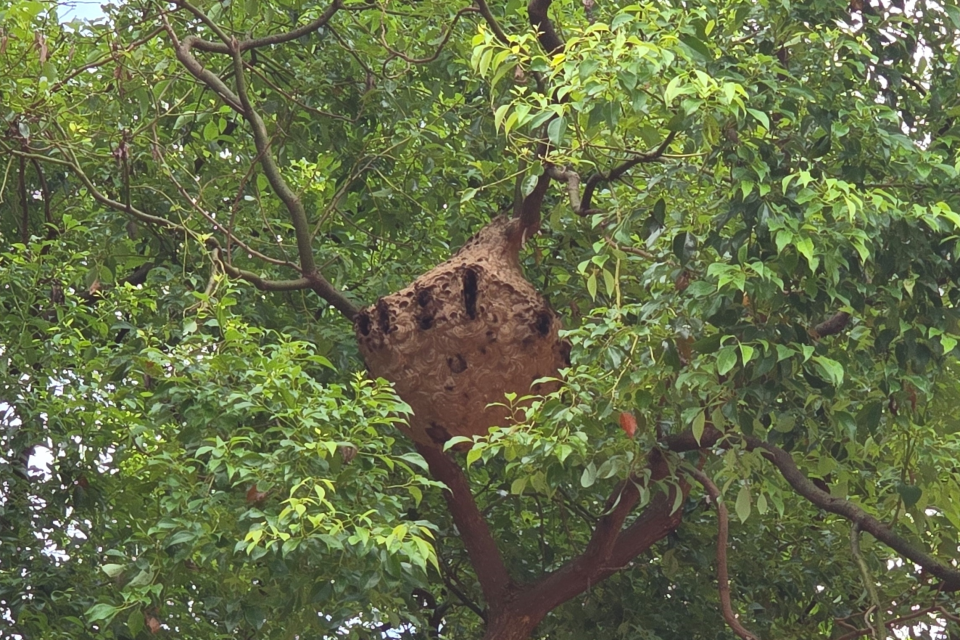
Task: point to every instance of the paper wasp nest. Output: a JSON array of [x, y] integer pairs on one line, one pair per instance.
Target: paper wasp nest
[[462, 335]]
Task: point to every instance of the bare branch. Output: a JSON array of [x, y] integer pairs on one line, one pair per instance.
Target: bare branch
[[261, 283], [868, 584], [723, 579], [436, 54], [854, 513], [598, 178], [890, 624], [290, 199], [484, 555], [254, 43]]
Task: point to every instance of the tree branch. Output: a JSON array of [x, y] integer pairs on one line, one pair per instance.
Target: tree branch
[[549, 38], [890, 624], [482, 549], [854, 513], [598, 178], [256, 43], [240, 102], [611, 547], [723, 578], [532, 204], [868, 583], [492, 22], [436, 54]]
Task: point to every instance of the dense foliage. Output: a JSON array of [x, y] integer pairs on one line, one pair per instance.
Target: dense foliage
[[751, 235]]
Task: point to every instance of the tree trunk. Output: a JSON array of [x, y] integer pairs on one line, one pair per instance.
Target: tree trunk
[[512, 625]]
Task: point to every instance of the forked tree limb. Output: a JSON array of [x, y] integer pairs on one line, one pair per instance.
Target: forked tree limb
[[949, 575], [266, 41], [611, 547], [239, 100], [617, 172], [723, 577]]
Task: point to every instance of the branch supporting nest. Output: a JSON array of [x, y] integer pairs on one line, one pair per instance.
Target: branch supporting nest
[[723, 578]]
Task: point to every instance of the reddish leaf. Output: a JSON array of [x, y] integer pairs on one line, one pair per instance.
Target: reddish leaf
[[254, 496], [628, 423]]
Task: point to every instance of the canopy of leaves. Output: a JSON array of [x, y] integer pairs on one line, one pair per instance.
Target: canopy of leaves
[[751, 235]]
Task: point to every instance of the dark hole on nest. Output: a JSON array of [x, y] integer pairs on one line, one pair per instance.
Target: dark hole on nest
[[438, 433], [457, 364], [363, 323], [470, 292], [425, 322], [544, 319], [423, 297], [383, 316]]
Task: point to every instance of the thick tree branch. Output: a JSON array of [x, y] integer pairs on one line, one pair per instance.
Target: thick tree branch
[[532, 204], [723, 578], [611, 547], [854, 513], [492, 22], [481, 547], [680, 442], [549, 38]]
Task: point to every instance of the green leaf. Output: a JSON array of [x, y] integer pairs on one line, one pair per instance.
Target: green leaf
[[102, 612], [699, 424], [609, 282], [761, 117], [473, 455], [672, 90], [135, 622], [589, 476], [910, 494], [556, 129], [113, 570], [726, 360], [744, 503], [832, 369], [518, 485], [592, 285], [746, 351]]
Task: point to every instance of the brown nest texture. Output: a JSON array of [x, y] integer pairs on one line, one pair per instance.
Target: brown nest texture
[[462, 336]]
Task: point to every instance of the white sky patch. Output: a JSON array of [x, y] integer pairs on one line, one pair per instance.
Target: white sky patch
[[80, 10]]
